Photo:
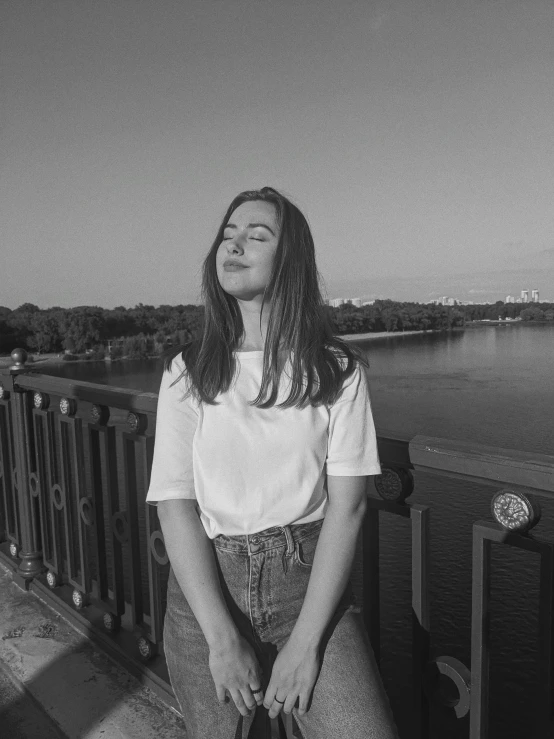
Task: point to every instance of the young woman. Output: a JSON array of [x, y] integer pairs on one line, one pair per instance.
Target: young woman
[[264, 442]]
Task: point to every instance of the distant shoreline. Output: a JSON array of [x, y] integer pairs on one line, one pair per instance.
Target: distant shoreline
[[50, 359], [384, 334], [56, 358]]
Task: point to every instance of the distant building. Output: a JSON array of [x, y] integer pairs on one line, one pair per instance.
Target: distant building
[[510, 299], [535, 296], [336, 302], [519, 300], [525, 296], [369, 302]]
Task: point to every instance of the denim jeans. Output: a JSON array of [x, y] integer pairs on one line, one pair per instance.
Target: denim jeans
[[264, 578]]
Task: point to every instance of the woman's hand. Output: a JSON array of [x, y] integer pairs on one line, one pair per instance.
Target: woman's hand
[[293, 676], [235, 670]]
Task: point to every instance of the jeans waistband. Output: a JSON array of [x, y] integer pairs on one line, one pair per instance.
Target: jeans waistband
[[276, 536]]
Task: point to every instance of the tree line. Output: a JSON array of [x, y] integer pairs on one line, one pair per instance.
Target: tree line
[[136, 331], [524, 311], [147, 330]]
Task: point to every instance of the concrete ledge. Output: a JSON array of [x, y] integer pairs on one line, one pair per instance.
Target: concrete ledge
[[83, 693]]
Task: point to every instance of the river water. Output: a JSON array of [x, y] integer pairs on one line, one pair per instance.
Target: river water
[[491, 385]]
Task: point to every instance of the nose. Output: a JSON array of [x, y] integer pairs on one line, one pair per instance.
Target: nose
[[236, 244]]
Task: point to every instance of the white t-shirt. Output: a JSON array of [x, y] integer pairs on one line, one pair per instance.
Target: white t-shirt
[[251, 468]]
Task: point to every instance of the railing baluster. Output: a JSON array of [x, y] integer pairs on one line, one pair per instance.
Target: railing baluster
[[135, 490], [11, 517], [372, 598], [96, 487], [55, 503], [545, 695], [157, 554], [421, 617], [44, 431], [72, 466], [480, 639], [129, 464], [30, 564], [108, 456]]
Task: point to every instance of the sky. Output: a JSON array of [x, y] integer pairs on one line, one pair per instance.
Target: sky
[[416, 136]]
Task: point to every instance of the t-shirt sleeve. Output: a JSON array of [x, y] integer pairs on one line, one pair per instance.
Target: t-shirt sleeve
[[176, 421], [352, 444]]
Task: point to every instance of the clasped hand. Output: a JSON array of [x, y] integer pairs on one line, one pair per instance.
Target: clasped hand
[[236, 671], [293, 677]]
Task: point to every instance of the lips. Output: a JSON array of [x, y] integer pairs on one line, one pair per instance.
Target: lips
[[231, 265]]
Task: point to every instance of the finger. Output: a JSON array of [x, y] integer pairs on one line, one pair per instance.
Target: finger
[[289, 703], [303, 703], [239, 702], [258, 694], [221, 694], [248, 698], [276, 707], [269, 696]]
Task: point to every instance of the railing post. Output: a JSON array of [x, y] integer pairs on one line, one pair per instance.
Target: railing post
[[30, 553]]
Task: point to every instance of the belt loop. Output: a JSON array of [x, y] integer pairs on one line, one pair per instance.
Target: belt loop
[[289, 552]]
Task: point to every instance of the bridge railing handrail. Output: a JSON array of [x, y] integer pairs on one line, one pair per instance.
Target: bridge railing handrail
[[452, 458]]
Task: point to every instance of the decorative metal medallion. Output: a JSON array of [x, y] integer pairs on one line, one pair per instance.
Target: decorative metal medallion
[[68, 406], [515, 511], [452, 668], [52, 579], [78, 599], [33, 484], [157, 547], [394, 484], [41, 401], [13, 549], [100, 414], [137, 422], [58, 496], [86, 509], [120, 526], [112, 623], [146, 648]]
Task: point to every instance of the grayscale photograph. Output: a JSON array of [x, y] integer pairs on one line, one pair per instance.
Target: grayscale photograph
[[276, 369]]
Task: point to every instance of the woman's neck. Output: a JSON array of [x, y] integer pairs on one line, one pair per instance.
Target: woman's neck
[[255, 330]]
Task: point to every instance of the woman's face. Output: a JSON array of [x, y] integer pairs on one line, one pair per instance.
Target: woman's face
[[245, 257]]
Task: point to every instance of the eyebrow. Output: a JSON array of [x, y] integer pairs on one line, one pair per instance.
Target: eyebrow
[[251, 225]]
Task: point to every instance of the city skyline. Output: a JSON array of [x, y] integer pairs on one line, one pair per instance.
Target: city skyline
[[447, 300]]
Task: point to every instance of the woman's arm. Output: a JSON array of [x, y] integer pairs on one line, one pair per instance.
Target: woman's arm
[[233, 663], [333, 557], [296, 666]]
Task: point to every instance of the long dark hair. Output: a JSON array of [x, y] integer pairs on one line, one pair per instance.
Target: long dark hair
[[298, 322]]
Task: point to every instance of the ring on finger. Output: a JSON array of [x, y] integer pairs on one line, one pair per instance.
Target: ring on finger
[[278, 701], [258, 690]]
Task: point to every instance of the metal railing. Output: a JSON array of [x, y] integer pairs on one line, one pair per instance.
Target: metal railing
[[74, 528]]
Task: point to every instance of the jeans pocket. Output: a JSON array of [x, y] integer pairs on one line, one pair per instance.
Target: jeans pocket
[[304, 551]]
